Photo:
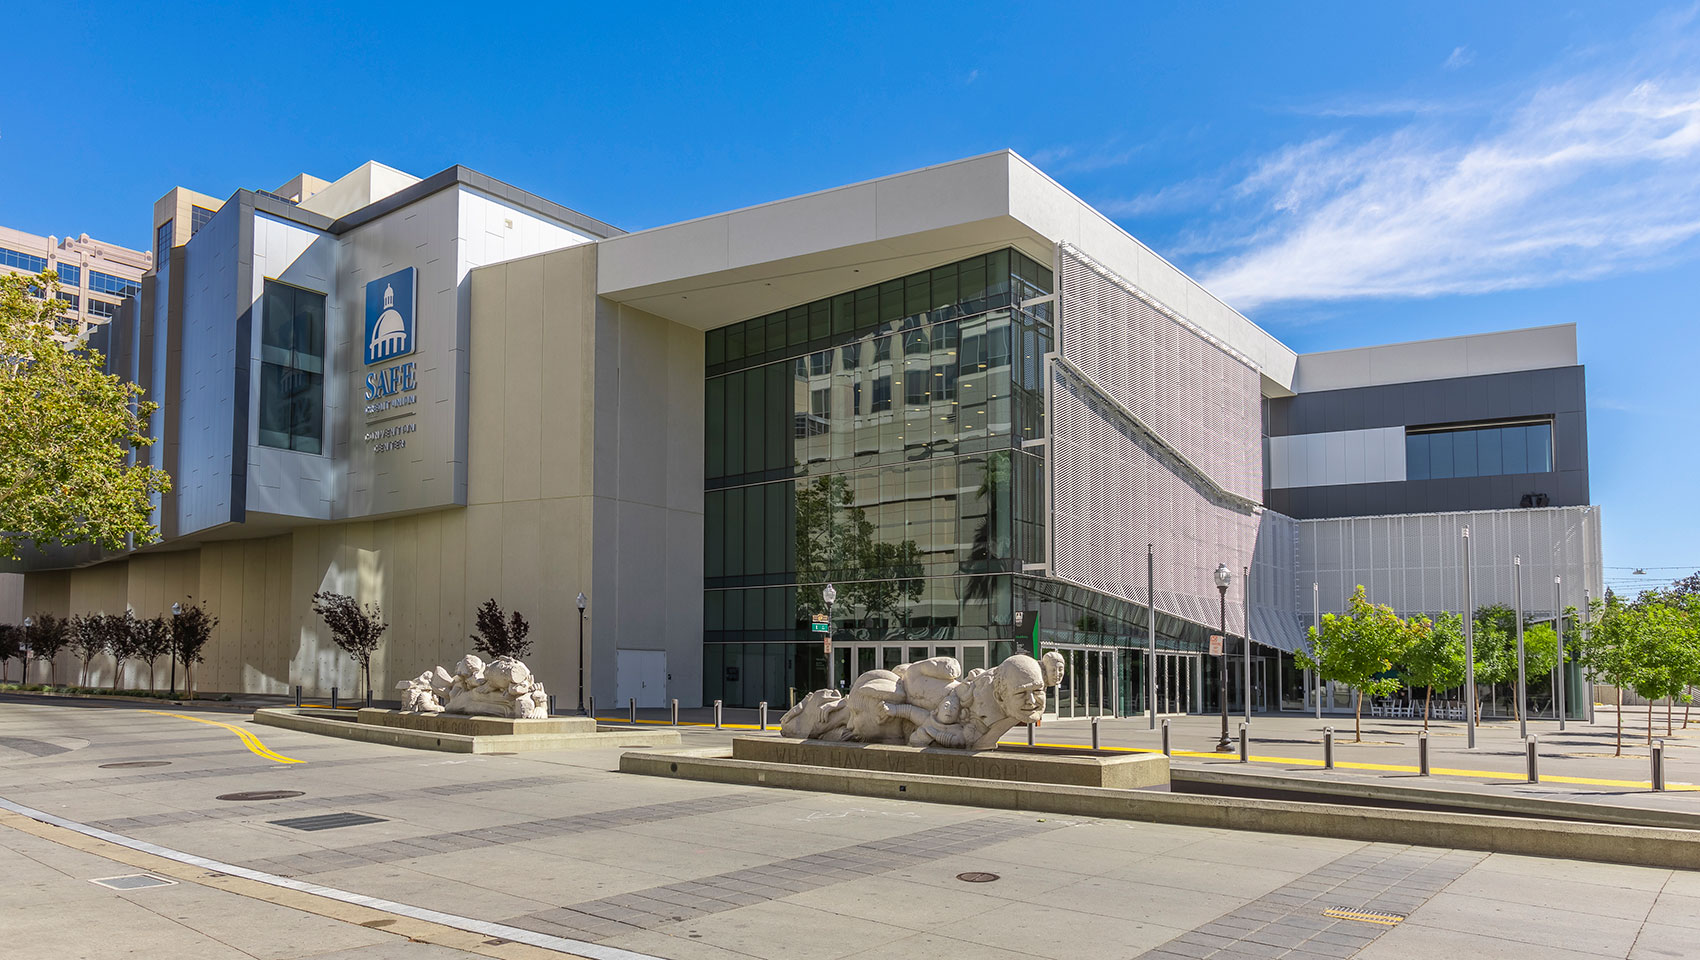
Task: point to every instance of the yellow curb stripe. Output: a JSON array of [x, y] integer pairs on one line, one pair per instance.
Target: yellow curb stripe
[[1384, 767], [248, 739]]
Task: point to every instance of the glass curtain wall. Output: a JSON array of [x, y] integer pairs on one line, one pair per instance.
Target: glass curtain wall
[[873, 440]]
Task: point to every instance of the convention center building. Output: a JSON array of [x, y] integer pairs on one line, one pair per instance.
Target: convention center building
[[971, 403]]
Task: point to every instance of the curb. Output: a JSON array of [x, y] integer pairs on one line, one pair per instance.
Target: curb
[[1605, 843]]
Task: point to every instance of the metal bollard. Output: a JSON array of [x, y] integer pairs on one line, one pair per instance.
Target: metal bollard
[[675, 712], [298, 695], [1094, 733], [1029, 734], [1327, 748], [1422, 754], [631, 710], [717, 714], [333, 698], [590, 707], [368, 698], [1534, 768], [1658, 756], [791, 692], [1167, 752], [1245, 742], [761, 713], [551, 704]]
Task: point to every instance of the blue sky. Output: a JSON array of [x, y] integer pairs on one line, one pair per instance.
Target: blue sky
[[1345, 174]]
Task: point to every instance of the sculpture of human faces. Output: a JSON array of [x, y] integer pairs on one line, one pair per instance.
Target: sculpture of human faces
[[1019, 686]]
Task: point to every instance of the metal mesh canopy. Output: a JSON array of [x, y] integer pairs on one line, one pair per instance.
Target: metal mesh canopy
[[1415, 563]]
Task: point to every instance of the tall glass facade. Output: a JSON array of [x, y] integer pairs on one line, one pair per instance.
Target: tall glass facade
[[874, 440]]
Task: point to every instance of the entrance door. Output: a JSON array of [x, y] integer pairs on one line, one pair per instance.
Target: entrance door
[[641, 675], [1174, 683]]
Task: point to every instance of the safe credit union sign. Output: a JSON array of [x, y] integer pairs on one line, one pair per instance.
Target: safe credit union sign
[[393, 388]]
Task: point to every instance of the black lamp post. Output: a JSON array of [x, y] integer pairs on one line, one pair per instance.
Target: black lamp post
[[28, 623], [176, 611], [581, 603], [1223, 577]]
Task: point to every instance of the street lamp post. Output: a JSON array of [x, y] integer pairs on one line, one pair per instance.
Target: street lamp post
[[28, 623], [176, 610], [830, 595], [1223, 577], [1470, 718], [581, 604], [1522, 688], [1562, 680]]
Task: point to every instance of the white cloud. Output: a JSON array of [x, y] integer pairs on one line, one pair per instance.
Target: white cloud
[[1580, 180], [1071, 159], [1461, 57]]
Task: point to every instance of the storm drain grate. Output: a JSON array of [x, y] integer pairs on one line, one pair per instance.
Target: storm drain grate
[[1364, 916], [134, 881], [327, 821]]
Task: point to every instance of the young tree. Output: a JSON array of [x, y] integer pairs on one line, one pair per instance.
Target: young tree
[[67, 430], [1433, 655], [191, 628], [1358, 649], [356, 629], [153, 640], [1603, 650], [496, 638], [125, 643], [88, 640], [11, 645], [46, 635], [1658, 651]]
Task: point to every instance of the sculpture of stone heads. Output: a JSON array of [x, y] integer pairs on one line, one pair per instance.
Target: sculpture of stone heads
[[420, 694], [929, 702], [505, 687]]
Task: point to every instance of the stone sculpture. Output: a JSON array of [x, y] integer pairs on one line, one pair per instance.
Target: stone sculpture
[[929, 703], [504, 687]]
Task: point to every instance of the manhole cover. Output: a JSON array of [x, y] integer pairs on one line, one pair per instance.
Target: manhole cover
[[261, 795], [127, 764], [327, 821], [977, 877], [134, 881]]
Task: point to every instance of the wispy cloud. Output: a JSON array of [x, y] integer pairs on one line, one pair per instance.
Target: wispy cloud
[[1076, 159], [1186, 195], [1582, 178], [1461, 57]]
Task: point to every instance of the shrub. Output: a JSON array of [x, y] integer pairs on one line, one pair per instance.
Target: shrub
[[356, 629], [496, 638]]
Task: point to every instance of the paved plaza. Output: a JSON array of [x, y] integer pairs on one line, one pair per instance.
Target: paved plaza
[[387, 852]]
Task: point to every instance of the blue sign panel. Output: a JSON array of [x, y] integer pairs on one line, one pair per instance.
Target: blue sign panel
[[389, 317]]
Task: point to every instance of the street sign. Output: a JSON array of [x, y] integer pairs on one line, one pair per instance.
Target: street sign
[[826, 644], [1216, 645], [821, 624]]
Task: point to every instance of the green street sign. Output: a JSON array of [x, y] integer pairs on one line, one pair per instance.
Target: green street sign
[[823, 628]]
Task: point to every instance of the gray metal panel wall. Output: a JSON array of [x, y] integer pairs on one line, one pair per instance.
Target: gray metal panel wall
[[1415, 564], [206, 411]]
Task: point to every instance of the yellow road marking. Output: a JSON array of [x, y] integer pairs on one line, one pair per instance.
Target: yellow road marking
[[1385, 919], [1386, 767], [248, 739]]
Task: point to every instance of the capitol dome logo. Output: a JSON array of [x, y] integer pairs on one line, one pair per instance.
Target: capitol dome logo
[[389, 316]]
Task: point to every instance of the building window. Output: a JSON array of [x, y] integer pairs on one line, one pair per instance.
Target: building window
[[162, 246], [292, 368], [102, 310], [882, 394], [21, 260], [70, 275], [70, 300], [115, 286], [1485, 451], [198, 218]]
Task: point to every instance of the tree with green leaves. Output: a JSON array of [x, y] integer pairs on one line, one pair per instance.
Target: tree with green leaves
[[191, 628], [46, 636], [1660, 649], [67, 432], [1358, 648], [357, 629], [1496, 650], [1603, 649], [1433, 655]]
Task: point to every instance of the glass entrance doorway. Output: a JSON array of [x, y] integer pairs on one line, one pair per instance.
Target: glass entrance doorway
[[1174, 683], [851, 660], [1093, 684]]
